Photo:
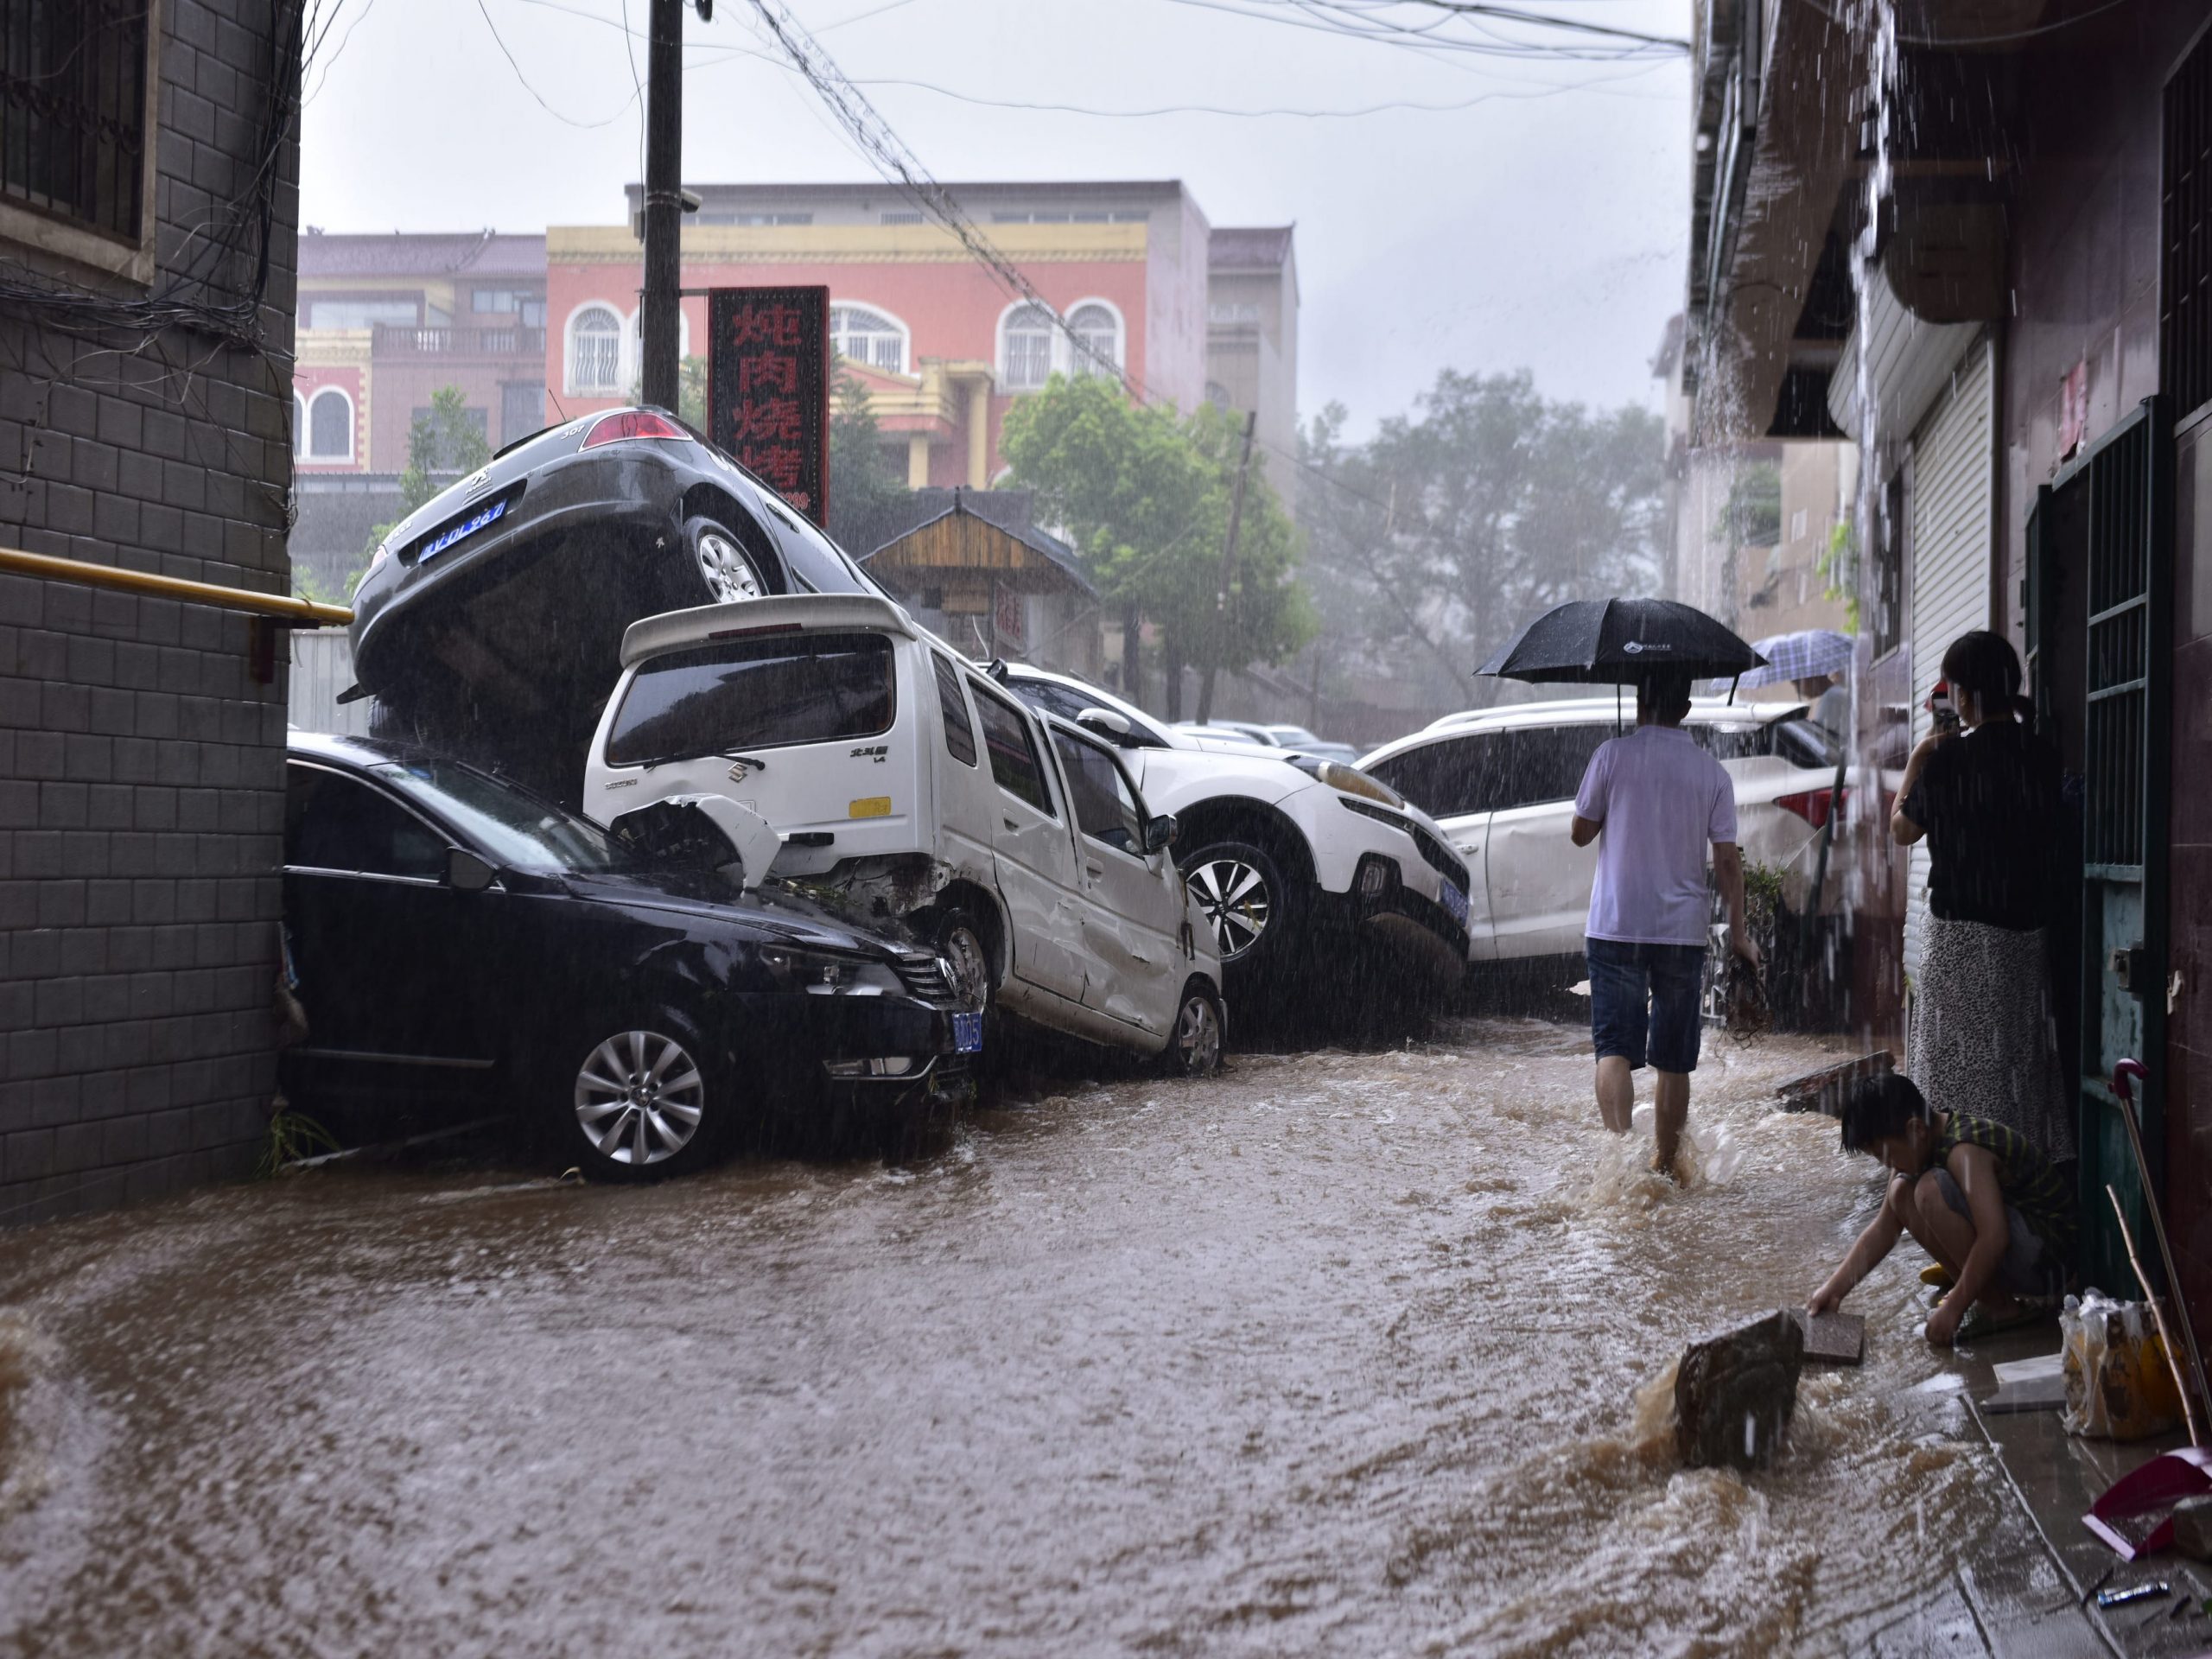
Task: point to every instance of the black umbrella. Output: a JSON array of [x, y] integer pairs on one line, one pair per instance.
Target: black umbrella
[[1617, 641]]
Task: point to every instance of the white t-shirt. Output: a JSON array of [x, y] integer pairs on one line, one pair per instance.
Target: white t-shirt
[[1661, 798]]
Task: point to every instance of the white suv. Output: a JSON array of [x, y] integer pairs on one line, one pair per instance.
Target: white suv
[[1503, 781], [900, 780], [1282, 850]]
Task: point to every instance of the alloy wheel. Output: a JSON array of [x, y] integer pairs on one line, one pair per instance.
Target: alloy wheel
[[639, 1097], [1198, 1034], [1235, 899], [729, 575]]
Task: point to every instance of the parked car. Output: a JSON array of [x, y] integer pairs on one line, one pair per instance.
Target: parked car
[[490, 620], [1285, 852], [1501, 782], [903, 781], [450, 932], [1235, 730], [1297, 737]]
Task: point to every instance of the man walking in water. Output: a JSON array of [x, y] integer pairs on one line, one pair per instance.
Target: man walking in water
[[1658, 799]]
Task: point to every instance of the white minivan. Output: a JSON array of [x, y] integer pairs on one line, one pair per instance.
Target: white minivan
[[906, 785]]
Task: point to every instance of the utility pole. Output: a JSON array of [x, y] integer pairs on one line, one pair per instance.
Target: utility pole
[[659, 335], [1223, 609]]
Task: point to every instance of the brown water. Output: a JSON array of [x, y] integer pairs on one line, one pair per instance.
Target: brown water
[[1337, 1354]]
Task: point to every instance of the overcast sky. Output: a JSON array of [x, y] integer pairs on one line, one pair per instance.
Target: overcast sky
[[1543, 227]]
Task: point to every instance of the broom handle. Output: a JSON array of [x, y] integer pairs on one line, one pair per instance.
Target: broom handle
[[2159, 1317]]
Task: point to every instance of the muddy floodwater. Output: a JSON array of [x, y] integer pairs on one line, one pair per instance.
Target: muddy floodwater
[[1335, 1354]]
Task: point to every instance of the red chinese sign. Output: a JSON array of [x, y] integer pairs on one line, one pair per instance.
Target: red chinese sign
[[768, 388]]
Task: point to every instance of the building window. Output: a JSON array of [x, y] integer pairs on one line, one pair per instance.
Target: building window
[[902, 217], [363, 314], [73, 111], [861, 335], [330, 426], [595, 351], [1028, 354], [526, 308], [445, 436], [1233, 311], [1097, 348], [754, 218], [521, 411]]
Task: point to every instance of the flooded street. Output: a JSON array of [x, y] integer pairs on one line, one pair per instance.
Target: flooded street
[[1335, 1354]]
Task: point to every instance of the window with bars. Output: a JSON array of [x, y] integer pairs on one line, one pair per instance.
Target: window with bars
[[73, 111], [1029, 354], [1098, 333], [862, 335], [595, 352], [2185, 289]]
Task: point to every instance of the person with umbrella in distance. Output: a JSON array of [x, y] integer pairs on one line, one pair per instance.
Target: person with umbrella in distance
[[1653, 800]]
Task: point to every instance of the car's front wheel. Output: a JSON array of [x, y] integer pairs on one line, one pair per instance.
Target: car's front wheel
[[718, 564], [1241, 891], [641, 1098]]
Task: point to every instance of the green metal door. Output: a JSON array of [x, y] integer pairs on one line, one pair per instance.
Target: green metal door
[[2122, 490]]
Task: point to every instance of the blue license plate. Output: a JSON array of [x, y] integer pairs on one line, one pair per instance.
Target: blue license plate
[[1455, 901], [462, 531], [968, 1033]]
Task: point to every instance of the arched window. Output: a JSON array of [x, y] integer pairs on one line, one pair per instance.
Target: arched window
[[330, 426], [633, 334], [595, 351], [862, 335], [1028, 352], [1099, 334]]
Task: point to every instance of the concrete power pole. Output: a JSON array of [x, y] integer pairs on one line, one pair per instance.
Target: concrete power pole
[[659, 335], [1223, 606]]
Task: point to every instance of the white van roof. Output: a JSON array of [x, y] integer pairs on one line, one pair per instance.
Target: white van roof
[[808, 613]]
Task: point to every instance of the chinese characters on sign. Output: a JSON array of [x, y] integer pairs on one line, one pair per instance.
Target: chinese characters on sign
[[768, 388]]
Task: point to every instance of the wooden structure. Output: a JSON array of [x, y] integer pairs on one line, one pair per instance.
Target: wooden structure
[[978, 561]]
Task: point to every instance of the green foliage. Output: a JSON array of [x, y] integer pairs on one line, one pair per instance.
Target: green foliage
[[1145, 497], [1838, 567], [442, 441], [864, 478], [1751, 516], [1431, 543], [291, 1137], [691, 393]]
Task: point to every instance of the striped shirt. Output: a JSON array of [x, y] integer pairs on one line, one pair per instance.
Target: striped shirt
[[2023, 1175]]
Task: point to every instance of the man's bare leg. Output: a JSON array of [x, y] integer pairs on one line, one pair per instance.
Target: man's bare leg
[[1616, 1093], [1670, 1114]]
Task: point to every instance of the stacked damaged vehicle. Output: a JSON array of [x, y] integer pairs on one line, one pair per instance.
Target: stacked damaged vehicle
[[617, 623]]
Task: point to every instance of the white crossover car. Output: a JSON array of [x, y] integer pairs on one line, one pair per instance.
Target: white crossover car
[[1283, 850], [905, 785], [1501, 782]]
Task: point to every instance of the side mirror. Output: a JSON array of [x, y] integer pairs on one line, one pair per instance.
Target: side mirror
[[1160, 832], [1105, 722], [465, 873]]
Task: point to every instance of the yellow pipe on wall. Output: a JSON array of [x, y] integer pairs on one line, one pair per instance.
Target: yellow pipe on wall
[[284, 607]]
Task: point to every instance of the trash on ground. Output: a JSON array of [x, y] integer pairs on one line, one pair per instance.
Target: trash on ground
[[2037, 1384], [2135, 1514], [1736, 1391], [2118, 1386]]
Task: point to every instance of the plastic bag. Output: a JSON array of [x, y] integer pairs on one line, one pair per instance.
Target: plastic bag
[[2118, 1386]]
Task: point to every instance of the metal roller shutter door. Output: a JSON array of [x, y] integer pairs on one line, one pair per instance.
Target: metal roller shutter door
[[1953, 532]]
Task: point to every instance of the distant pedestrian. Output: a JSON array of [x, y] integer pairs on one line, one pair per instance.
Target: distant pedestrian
[[1988, 802], [1830, 704], [1659, 799]]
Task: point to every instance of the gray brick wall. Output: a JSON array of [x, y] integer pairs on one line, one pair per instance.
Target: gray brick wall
[[141, 764]]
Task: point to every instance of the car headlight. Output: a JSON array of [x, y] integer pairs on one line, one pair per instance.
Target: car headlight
[[1349, 779], [820, 973]]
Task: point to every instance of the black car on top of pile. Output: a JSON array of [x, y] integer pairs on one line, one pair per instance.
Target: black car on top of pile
[[490, 621]]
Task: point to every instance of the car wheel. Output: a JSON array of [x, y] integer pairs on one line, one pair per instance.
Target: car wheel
[[642, 1100], [1194, 1049], [1241, 890], [960, 942], [719, 566]]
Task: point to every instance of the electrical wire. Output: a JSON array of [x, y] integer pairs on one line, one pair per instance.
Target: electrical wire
[[500, 41]]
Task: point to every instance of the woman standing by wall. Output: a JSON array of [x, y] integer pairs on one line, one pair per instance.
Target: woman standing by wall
[[1987, 800]]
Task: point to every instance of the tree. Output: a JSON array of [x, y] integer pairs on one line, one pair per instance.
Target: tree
[[1145, 499], [1429, 544]]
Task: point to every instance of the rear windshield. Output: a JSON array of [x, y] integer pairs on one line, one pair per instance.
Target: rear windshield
[[742, 695]]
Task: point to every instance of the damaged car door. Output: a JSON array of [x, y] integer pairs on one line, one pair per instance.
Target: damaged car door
[[1132, 908], [1035, 855]]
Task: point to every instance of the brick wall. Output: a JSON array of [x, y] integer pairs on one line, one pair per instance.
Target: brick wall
[[141, 764]]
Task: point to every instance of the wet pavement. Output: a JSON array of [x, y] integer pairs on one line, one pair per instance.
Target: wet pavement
[[1335, 1354]]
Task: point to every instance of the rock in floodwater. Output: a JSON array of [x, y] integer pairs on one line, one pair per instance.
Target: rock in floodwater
[[2193, 1526], [1734, 1392]]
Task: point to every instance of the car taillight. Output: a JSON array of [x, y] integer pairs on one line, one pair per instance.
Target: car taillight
[[1812, 805], [633, 423]]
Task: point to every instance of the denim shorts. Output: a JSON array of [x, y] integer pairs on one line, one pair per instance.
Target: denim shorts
[[1644, 1002]]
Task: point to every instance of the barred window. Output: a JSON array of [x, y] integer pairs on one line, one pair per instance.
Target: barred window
[[73, 111], [1028, 348]]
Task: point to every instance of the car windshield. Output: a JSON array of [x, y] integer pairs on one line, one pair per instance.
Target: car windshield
[[1069, 702], [515, 828]]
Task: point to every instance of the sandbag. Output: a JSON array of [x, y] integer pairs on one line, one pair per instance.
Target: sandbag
[[2118, 1386]]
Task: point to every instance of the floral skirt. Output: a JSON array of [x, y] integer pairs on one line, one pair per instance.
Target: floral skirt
[[1981, 1036]]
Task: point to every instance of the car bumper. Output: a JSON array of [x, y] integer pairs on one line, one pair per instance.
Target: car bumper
[[885, 1050], [1412, 924]]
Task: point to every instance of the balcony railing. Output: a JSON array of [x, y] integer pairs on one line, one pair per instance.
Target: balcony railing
[[392, 340]]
